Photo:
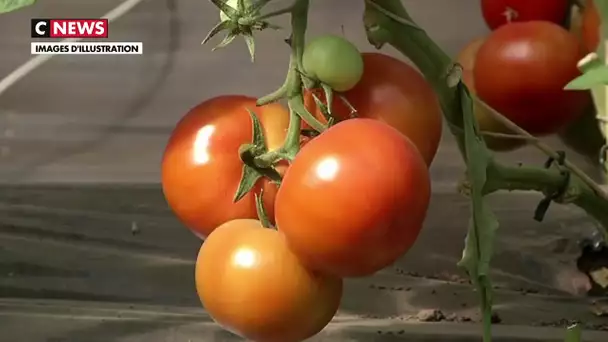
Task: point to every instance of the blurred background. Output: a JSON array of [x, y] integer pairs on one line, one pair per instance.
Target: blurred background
[[78, 121]]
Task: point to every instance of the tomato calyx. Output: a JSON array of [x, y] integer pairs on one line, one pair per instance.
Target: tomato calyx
[[254, 170], [240, 20]]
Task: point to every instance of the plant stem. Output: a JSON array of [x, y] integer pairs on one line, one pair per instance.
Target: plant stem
[[501, 177], [292, 90], [435, 64]]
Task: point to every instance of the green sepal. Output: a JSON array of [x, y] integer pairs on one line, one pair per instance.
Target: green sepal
[[227, 40], [259, 206], [249, 178], [247, 152], [259, 140], [329, 98], [221, 26], [13, 5], [250, 41]]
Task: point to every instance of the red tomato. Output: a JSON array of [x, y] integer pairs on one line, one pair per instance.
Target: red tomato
[[497, 13], [253, 285], [201, 167], [521, 71], [354, 199], [485, 119], [590, 29], [395, 93]]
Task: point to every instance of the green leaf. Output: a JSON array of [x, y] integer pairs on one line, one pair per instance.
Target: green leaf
[[595, 76], [13, 5], [479, 242], [249, 178], [259, 206], [479, 245]]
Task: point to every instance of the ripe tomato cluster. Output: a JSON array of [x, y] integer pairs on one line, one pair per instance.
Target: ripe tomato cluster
[[355, 197], [352, 201], [520, 69]]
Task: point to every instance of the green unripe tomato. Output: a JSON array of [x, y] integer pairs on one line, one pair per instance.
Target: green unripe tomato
[[334, 61]]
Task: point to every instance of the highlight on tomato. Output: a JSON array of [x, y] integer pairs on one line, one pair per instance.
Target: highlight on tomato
[[334, 61], [485, 120], [395, 93], [201, 167], [251, 284], [528, 86], [497, 13], [355, 198]]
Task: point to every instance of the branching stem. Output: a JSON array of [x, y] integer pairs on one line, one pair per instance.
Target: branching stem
[[292, 90]]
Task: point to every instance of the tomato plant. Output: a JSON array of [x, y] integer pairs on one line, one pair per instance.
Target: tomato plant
[[590, 26], [253, 285], [333, 61], [395, 93], [521, 71], [485, 120], [497, 13], [354, 199], [201, 167]]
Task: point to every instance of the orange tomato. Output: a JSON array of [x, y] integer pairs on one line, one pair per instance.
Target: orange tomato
[[395, 93], [253, 285], [201, 167], [354, 199]]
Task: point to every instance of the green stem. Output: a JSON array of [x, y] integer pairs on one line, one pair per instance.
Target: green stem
[[274, 13], [501, 177], [292, 90]]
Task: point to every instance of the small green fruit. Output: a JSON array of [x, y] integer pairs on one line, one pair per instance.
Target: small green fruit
[[333, 61]]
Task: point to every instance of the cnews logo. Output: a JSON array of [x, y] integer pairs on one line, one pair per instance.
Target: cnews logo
[[69, 28]]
